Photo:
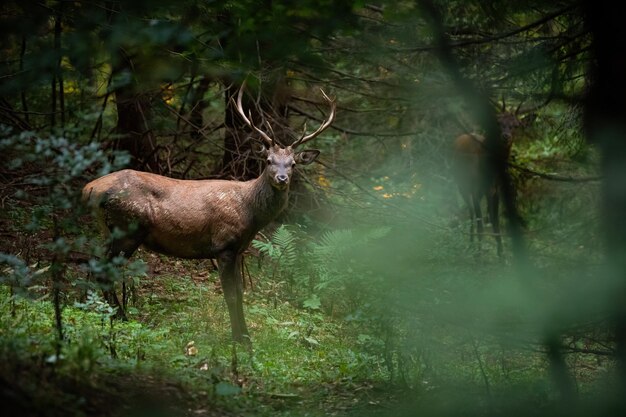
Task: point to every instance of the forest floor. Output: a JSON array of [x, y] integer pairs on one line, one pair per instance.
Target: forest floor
[[174, 356]]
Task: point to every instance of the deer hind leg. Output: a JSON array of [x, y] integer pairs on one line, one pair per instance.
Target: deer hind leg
[[470, 207], [467, 199], [229, 265], [494, 218], [478, 217]]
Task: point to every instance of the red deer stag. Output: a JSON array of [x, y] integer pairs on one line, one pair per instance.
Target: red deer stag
[[201, 219], [476, 180]]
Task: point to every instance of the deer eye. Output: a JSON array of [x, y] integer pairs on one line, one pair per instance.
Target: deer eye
[[293, 164], [269, 161]]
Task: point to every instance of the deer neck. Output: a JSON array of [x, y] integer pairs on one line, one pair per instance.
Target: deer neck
[[267, 201]]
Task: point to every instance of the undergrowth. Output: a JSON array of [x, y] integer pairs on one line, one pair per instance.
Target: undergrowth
[[355, 320], [187, 339]]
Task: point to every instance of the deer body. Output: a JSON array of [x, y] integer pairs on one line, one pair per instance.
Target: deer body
[[199, 219], [185, 218], [474, 173], [476, 182]]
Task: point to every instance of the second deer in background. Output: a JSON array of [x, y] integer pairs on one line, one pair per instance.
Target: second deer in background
[[475, 178]]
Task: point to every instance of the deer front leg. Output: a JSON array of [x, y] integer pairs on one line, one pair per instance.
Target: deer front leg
[[232, 285], [124, 246]]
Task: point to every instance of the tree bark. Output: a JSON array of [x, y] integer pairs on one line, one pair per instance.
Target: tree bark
[[198, 105], [605, 123], [133, 119]]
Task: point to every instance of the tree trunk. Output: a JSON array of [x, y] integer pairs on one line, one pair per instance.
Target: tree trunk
[[198, 105], [605, 122], [133, 120]]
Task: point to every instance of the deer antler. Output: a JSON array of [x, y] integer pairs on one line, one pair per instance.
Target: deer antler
[[331, 117], [248, 121]]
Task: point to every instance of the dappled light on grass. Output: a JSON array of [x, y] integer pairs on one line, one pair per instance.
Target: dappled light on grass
[[180, 329]]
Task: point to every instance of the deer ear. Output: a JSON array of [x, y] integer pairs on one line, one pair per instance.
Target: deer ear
[[258, 148], [306, 157]]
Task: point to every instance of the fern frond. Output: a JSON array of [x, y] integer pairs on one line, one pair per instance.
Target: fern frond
[[338, 239], [285, 240], [332, 244], [283, 237], [264, 247]]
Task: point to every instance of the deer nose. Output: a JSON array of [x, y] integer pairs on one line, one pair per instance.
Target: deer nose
[[282, 178]]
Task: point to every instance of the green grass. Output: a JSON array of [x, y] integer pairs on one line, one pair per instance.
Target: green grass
[[299, 360], [444, 343]]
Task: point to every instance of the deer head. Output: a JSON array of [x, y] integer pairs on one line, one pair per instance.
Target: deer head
[[281, 160]]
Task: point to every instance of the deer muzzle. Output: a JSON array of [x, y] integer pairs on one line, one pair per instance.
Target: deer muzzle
[[281, 181]]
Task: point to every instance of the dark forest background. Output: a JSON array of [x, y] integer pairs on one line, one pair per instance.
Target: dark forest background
[[367, 296]]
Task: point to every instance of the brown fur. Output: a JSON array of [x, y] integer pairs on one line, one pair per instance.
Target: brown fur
[[475, 182], [196, 219]]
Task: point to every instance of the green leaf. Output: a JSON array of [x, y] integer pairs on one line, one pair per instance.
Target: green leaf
[[313, 302], [311, 341]]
